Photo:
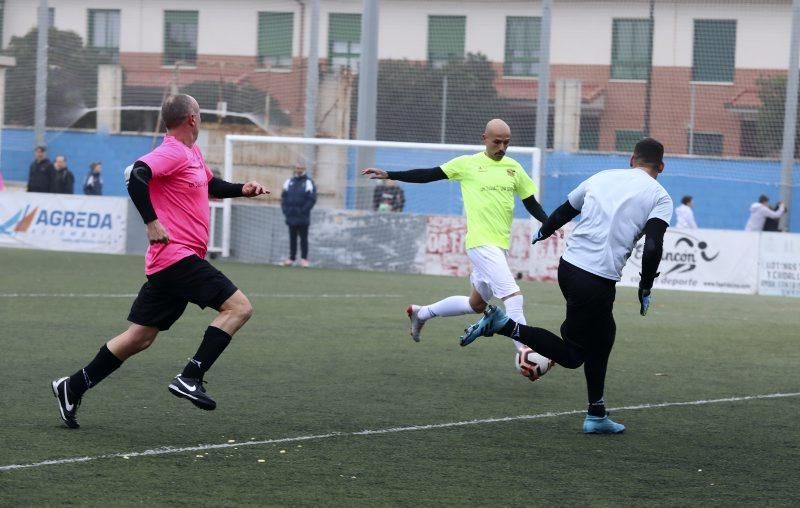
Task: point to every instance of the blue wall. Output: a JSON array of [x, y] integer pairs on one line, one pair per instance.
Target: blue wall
[[80, 148], [723, 189]]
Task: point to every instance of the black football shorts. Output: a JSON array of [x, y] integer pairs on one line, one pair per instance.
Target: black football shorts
[[164, 296]]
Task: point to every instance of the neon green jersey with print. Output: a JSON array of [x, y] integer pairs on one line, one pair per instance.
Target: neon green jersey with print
[[488, 188]]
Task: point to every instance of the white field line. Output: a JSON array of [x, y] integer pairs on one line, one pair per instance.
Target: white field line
[[251, 295], [167, 450]]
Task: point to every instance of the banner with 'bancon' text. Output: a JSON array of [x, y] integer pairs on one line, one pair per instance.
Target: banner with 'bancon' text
[[63, 222]]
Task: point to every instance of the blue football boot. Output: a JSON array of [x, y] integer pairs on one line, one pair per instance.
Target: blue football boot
[[601, 425], [493, 321]]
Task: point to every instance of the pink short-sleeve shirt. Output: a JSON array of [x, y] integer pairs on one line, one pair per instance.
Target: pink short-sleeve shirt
[[179, 193]]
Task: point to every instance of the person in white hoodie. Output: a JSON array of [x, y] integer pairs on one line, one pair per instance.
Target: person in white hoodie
[[684, 216], [760, 212]]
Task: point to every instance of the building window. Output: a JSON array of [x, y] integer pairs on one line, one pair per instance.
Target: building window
[[180, 37], [344, 41], [706, 143], [445, 39], [275, 39], [748, 139], [714, 54], [103, 33], [630, 41], [522, 46], [51, 17], [626, 140], [589, 133]]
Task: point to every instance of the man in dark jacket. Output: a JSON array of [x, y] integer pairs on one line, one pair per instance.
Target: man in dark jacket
[[93, 186], [297, 199], [62, 180], [41, 171]]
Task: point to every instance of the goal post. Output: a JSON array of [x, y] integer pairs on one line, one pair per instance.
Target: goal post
[[271, 160]]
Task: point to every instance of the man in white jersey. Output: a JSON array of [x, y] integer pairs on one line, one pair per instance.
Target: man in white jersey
[[616, 206], [489, 180]]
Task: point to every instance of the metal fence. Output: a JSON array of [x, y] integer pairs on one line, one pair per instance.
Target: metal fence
[[708, 78]]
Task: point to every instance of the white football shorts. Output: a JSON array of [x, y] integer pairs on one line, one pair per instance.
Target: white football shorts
[[491, 275]]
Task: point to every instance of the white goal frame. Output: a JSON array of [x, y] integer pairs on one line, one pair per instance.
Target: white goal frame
[[535, 155]]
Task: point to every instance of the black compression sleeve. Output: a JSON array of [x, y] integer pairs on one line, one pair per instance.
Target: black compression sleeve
[[534, 208], [653, 246], [558, 218], [221, 189], [418, 175], [138, 190]]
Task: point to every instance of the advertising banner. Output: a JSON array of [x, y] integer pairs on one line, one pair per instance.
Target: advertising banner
[[692, 260], [63, 222], [779, 265], [702, 260], [445, 252]]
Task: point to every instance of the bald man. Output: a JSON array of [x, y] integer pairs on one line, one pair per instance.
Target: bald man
[[489, 180]]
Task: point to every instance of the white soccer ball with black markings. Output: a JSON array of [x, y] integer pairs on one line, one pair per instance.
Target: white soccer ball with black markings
[[531, 364]]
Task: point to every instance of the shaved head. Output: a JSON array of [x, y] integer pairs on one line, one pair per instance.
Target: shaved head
[[497, 127], [496, 137]]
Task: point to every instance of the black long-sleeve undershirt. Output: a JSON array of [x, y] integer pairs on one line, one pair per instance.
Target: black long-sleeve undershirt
[[426, 175], [139, 191], [558, 218], [221, 189], [651, 255], [418, 175], [534, 208]]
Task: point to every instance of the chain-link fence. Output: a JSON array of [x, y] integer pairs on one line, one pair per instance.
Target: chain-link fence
[[707, 78]]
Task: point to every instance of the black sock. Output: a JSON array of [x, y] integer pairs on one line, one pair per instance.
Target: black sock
[[597, 408], [214, 343], [510, 329], [103, 364]]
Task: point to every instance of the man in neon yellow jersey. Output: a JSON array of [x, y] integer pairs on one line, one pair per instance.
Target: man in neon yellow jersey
[[489, 180]]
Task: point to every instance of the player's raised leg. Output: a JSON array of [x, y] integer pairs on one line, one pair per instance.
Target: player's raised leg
[[233, 314]]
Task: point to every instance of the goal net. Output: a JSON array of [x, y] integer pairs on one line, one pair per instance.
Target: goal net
[[355, 223]]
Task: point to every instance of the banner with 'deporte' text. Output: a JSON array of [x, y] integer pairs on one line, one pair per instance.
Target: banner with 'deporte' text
[[692, 260], [702, 260], [63, 222]]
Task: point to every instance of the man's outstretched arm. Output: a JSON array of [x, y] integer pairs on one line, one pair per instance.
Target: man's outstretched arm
[[411, 176], [221, 189], [557, 219]]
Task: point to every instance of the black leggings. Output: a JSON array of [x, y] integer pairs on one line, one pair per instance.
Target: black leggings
[[302, 232], [588, 331]]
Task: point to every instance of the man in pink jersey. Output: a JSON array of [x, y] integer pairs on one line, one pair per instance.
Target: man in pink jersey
[[170, 187]]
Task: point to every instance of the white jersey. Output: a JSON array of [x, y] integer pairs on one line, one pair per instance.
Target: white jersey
[[684, 217], [759, 213], [615, 205]]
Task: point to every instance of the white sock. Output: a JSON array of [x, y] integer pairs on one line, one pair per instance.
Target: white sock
[[450, 306], [514, 307]]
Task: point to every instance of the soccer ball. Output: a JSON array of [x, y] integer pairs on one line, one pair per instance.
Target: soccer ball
[[531, 364]]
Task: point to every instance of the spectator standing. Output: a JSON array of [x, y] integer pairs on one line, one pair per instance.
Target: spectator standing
[[62, 180], [388, 197], [684, 215], [760, 212], [41, 171], [774, 224], [93, 185], [2, 184], [297, 199]]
